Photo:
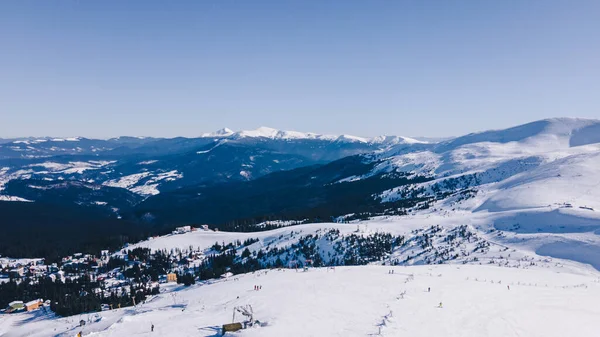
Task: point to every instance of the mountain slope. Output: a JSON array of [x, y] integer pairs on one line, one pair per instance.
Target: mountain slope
[[147, 166], [313, 192], [475, 303], [540, 177]]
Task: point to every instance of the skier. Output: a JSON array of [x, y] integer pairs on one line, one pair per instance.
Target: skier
[[440, 305], [152, 328], [508, 287], [429, 289]]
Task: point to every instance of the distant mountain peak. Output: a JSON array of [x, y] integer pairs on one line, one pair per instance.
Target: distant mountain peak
[[551, 133], [224, 132], [262, 131], [276, 134]]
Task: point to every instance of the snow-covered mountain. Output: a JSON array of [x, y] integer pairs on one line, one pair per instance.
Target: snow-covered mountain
[[147, 166], [475, 302], [485, 289], [43, 147], [548, 163], [540, 177], [489, 234], [270, 133]]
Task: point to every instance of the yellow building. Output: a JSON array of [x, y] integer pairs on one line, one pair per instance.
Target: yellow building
[[172, 277]]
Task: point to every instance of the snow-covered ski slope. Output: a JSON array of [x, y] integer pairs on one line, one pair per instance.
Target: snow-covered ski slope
[[354, 301], [544, 163], [541, 178], [511, 247]]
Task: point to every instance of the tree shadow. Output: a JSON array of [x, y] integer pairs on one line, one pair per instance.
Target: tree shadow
[[215, 329], [35, 316]]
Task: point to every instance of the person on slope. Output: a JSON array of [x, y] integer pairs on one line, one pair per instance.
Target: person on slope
[[152, 328]]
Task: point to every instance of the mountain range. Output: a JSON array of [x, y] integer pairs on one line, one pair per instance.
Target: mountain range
[[541, 177]]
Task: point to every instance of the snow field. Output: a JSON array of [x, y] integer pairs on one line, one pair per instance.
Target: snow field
[[356, 301]]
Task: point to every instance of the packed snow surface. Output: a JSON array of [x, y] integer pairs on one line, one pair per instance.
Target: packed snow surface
[[441, 300]]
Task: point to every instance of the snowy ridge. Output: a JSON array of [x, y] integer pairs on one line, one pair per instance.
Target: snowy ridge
[[549, 134], [144, 183], [475, 283], [72, 167], [539, 182], [540, 151], [12, 198], [270, 133]]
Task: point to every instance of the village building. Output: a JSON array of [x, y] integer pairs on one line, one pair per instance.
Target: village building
[[15, 306], [182, 230], [33, 305], [171, 277]]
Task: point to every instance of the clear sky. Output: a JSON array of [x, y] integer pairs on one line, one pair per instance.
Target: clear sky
[[403, 67]]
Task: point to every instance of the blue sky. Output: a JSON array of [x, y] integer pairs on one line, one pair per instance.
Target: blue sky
[[417, 68]]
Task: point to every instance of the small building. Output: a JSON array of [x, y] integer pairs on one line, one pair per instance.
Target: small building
[[33, 305], [15, 306], [171, 277], [183, 229], [232, 327]]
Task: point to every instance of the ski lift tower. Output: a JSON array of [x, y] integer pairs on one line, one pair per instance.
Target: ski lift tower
[[245, 310]]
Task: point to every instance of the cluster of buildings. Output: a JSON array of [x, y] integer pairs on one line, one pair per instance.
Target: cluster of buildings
[[112, 280], [17, 306], [17, 269], [187, 229], [71, 267]]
